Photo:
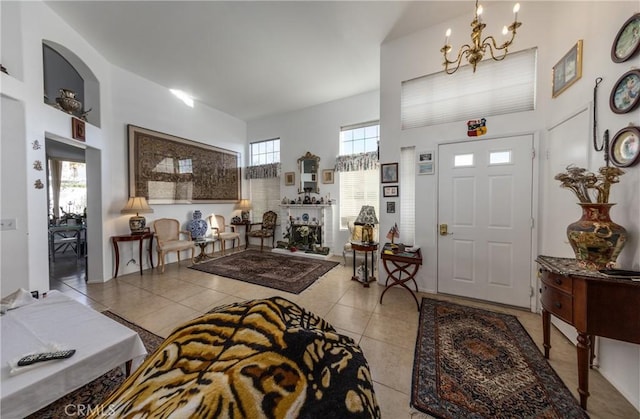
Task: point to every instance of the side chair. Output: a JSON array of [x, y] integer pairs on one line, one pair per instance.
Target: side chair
[[167, 232], [220, 232], [267, 228]]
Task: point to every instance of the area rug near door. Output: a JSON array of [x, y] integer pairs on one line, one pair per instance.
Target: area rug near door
[[78, 402], [283, 272], [476, 363]]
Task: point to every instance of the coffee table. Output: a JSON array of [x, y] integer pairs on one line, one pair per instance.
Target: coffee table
[[101, 344]]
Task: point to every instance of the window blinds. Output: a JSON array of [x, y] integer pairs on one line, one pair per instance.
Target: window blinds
[[407, 225], [357, 188], [265, 195], [496, 88]]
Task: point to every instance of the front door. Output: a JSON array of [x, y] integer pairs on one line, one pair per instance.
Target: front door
[[485, 219]]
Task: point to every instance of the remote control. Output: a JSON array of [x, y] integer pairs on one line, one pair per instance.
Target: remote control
[[45, 356]]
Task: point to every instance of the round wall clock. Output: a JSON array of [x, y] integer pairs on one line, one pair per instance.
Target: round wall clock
[[625, 147], [625, 95], [627, 41]]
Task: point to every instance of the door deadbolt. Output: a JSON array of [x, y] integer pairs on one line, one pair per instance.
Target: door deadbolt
[[444, 229]]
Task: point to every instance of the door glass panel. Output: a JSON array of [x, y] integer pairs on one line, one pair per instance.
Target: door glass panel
[[500, 157], [463, 160]]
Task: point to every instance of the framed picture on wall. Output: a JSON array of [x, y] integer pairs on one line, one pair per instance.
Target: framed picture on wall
[[389, 173], [391, 207], [290, 178], [390, 191], [327, 176], [426, 162], [568, 70]]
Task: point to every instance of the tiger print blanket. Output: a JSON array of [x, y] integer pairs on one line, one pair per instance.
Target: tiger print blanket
[[265, 358]]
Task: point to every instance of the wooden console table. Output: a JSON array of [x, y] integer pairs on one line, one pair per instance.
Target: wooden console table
[[595, 304], [128, 238]]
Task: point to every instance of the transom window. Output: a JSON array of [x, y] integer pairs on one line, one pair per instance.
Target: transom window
[[265, 152], [360, 138]]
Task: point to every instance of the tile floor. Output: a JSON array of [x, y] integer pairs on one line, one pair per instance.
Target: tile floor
[[386, 332]]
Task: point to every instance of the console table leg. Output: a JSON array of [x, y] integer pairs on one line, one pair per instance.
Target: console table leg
[[546, 332], [583, 368]]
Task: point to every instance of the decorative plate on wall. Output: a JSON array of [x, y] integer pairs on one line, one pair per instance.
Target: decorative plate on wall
[[627, 41], [625, 95], [625, 147]]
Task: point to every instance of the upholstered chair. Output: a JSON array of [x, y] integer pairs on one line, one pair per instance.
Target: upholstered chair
[[219, 230], [167, 232], [267, 228]]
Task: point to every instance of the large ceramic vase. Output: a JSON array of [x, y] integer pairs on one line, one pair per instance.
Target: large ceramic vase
[[198, 227], [595, 239]]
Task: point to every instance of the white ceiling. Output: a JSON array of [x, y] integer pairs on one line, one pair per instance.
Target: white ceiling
[[251, 59]]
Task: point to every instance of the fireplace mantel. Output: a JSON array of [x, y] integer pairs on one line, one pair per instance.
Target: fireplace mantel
[[319, 216]]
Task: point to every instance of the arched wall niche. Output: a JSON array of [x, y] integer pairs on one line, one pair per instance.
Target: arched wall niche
[[64, 69]]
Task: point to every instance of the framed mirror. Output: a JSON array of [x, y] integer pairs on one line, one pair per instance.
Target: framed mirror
[[308, 167]]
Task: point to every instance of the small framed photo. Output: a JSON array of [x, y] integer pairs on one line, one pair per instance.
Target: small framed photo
[[390, 191], [426, 162], [77, 129], [327, 176], [389, 173], [290, 178], [391, 207], [625, 147], [627, 42], [625, 95], [568, 70]]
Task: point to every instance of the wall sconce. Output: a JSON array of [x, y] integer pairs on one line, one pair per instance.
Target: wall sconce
[[137, 205], [474, 52]]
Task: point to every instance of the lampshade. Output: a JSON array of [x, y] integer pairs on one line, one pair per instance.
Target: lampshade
[[137, 205], [244, 205], [367, 216]]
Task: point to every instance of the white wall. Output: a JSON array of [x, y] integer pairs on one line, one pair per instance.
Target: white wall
[[126, 99], [316, 130], [553, 27]]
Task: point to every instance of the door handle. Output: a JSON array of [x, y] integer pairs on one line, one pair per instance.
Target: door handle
[[444, 230]]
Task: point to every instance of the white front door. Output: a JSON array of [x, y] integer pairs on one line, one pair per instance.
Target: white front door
[[484, 202]]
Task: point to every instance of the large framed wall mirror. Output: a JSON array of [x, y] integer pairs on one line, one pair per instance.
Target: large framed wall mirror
[[308, 167]]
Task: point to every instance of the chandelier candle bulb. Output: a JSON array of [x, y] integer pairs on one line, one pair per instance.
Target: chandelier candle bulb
[[447, 34], [516, 9]]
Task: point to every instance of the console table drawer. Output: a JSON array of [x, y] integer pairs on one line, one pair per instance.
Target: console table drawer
[[557, 303], [558, 281]]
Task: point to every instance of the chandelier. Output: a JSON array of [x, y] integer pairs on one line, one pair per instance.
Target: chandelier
[[474, 52]]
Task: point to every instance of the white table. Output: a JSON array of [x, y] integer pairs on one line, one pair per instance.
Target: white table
[[101, 344]]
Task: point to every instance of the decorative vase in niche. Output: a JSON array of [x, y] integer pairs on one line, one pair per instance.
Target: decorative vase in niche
[[595, 239], [198, 227], [68, 102]]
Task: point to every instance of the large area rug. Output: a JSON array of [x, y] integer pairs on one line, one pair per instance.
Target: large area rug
[[283, 272], [94, 393], [474, 363]]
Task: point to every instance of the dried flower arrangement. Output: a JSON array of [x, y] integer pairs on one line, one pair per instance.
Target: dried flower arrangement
[[584, 184]]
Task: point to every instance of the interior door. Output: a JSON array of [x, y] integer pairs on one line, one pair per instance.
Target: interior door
[[485, 219]]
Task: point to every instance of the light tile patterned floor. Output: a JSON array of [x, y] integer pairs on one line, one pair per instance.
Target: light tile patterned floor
[[386, 332]]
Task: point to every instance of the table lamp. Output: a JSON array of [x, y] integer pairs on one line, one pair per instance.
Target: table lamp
[[367, 219], [244, 206], [137, 205]]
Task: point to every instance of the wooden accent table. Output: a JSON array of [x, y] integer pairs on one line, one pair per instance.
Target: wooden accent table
[[244, 223], [595, 304], [401, 263], [366, 248], [128, 238]]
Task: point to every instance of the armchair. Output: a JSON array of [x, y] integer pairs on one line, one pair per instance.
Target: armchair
[[267, 228], [167, 232], [218, 227]]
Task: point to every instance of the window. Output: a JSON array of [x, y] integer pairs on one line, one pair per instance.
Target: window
[[407, 225], [265, 152], [360, 175], [497, 88], [361, 138], [264, 182]]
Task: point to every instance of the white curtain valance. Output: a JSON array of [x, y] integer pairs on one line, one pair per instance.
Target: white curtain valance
[[263, 171], [354, 162]]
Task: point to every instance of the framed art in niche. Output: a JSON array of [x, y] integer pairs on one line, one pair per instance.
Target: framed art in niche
[[167, 169]]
